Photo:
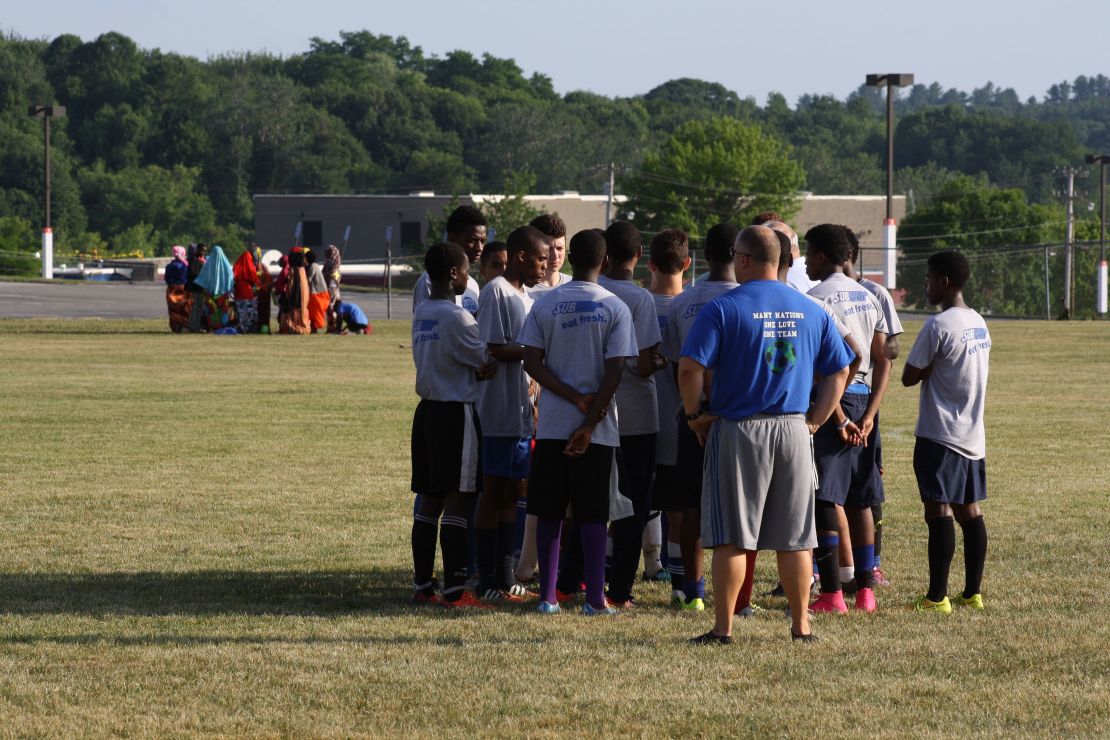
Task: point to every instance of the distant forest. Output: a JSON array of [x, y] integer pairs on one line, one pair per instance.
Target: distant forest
[[161, 148]]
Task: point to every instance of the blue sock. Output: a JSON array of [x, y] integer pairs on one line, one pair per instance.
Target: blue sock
[[694, 589], [864, 556]]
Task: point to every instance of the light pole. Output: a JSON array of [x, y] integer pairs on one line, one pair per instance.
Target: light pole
[[890, 228], [46, 112], [1101, 160]]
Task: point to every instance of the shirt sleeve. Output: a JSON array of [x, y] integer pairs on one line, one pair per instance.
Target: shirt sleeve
[[647, 324], [703, 343], [469, 349], [420, 291], [833, 354], [881, 325], [491, 318], [530, 334], [670, 347], [925, 346], [621, 341]]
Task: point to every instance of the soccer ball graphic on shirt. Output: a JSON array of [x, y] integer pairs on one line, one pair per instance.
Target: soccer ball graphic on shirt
[[780, 356]]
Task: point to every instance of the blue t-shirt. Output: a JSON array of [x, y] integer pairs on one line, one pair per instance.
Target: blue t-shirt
[[352, 314], [764, 342]]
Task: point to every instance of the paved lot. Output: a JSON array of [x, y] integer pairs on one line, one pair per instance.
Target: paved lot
[[84, 299]]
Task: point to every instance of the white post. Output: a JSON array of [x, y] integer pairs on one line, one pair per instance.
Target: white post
[[890, 252], [1102, 287], [48, 254]]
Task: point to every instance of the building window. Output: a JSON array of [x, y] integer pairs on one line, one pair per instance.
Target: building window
[[410, 234], [313, 234]]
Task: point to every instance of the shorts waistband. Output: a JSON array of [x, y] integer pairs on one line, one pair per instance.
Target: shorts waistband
[[770, 417], [858, 388]]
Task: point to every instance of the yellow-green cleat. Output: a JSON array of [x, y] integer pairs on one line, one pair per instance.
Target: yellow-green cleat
[[975, 601], [922, 604], [694, 605]]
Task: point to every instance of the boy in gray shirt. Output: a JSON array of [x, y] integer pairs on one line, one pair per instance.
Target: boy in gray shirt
[[576, 341], [950, 359]]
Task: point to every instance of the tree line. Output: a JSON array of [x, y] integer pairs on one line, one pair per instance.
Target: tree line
[[161, 148]]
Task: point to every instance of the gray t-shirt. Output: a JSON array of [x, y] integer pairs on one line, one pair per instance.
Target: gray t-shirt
[[540, 288], [957, 344], [447, 350], [841, 327], [578, 326], [468, 300], [635, 395], [859, 310], [666, 394], [504, 407], [684, 309], [886, 301], [797, 278]]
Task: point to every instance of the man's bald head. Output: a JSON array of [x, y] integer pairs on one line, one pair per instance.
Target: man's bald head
[[784, 229], [761, 244]]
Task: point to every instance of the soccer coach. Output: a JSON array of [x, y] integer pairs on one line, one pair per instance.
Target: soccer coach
[[756, 351]]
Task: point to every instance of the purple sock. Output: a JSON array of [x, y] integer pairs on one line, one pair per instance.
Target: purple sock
[[547, 553], [593, 553]]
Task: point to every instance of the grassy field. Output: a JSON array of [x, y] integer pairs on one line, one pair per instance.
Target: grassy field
[[210, 535]]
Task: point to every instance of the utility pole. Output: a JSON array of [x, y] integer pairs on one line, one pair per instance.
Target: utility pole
[[46, 112], [609, 202], [1100, 299], [1069, 248], [890, 226]]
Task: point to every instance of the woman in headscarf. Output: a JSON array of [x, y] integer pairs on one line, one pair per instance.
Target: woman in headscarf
[[318, 292], [294, 315], [246, 291], [217, 280], [332, 261], [196, 259], [177, 298], [281, 285], [265, 283]]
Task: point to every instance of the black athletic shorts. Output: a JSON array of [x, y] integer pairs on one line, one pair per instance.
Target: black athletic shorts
[[446, 448], [945, 476], [846, 475], [637, 471], [666, 493], [691, 455], [585, 483]]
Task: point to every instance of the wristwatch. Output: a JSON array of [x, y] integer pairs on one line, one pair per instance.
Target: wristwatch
[[697, 414]]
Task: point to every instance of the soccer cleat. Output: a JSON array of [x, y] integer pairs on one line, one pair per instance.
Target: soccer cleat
[[805, 639], [518, 592], [563, 598], [830, 602], [880, 577], [711, 638], [589, 610], [865, 600], [678, 598], [467, 601], [693, 605], [549, 608], [497, 596], [922, 604], [975, 601], [751, 610], [778, 591], [662, 576], [625, 604], [419, 598]]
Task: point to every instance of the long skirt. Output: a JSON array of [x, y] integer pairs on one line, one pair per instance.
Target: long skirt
[[264, 309], [248, 315], [178, 303], [220, 312], [294, 321], [318, 310]]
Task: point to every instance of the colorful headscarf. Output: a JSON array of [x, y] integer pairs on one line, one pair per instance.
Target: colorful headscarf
[[180, 254], [332, 260], [216, 276]]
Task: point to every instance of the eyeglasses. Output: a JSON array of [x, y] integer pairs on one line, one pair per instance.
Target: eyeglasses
[[732, 251]]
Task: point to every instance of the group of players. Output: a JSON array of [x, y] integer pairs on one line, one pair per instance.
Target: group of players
[[617, 416]]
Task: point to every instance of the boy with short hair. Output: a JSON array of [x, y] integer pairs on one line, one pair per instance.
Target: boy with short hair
[[690, 454], [466, 227], [505, 409], [950, 358], [493, 262], [668, 260], [576, 340], [555, 229], [349, 318], [636, 402], [450, 358], [848, 475]]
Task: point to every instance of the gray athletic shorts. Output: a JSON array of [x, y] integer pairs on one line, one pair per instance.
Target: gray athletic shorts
[[759, 481]]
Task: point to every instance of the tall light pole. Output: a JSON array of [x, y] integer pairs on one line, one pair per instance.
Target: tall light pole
[[890, 227], [46, 112], [1101, 160]]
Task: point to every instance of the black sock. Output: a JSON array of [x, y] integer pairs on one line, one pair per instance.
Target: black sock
[[828, 562], [424, 531], [877, 516], [942, 545], [452, 540], [487, 559], [506, 542], [975, 554]]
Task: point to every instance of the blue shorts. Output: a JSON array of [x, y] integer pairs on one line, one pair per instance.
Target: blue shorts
[[847, 475], [507, 457], [945, 476]]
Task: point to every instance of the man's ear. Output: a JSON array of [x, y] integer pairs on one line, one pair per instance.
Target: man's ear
[[605, 263], [686, 264]]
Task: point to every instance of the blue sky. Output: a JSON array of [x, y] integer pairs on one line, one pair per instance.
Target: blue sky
[[620, 47]]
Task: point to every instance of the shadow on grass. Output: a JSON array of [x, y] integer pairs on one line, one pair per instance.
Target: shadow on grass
[[202, 593]]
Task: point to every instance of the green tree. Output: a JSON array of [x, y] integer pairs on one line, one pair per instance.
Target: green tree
[[721, 169]]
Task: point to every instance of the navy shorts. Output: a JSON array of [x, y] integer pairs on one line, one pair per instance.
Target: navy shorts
[[945, 476], [666, 493], [507, 457], [691, 455], [847, 475], [585, 483]]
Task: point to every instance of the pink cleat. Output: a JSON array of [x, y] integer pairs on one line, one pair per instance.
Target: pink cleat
[[830, 602], [880, 578], [865, 600]]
